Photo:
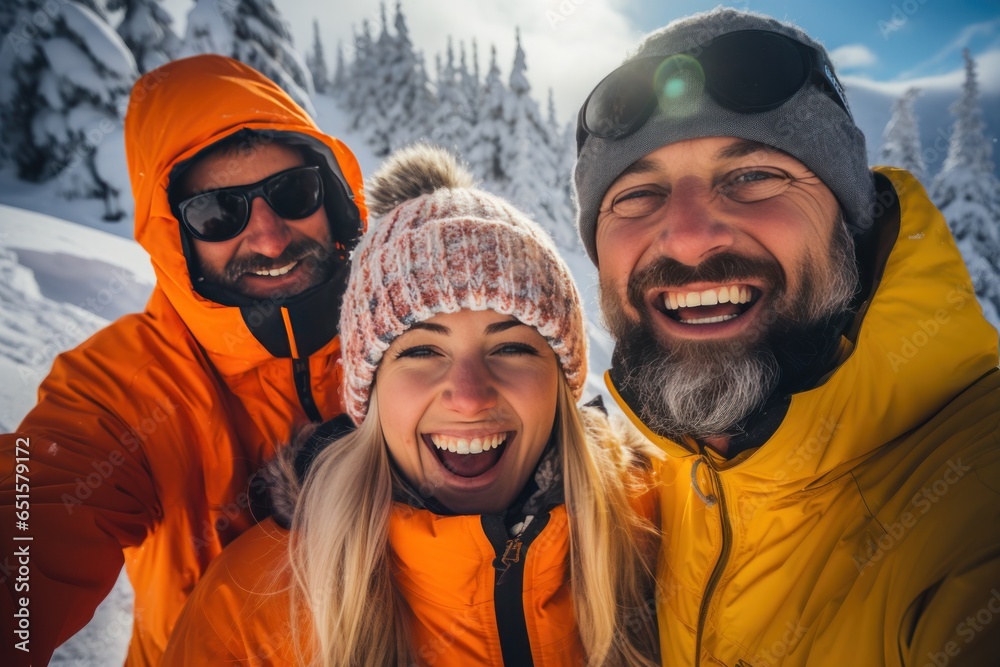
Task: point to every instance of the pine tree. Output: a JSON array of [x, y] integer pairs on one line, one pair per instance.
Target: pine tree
[[339, 73], [253, 32], [901, 138], [528, 159], [484, 145], [968, 194], [316, 62], [63, 89], [378, 126], [146, 30], [364, 94], [449, 123], [410, 101]]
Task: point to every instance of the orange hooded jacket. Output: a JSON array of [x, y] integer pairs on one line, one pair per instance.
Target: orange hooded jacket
[[144, 439]]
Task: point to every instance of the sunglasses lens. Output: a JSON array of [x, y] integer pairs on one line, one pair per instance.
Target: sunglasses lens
[[215, 216], [621, 101], [753, 71], [296, 195]]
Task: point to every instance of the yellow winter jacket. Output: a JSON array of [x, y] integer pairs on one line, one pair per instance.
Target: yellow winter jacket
[[866, 529]]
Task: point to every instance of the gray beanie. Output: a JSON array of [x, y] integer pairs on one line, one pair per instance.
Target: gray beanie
[[810, 126]]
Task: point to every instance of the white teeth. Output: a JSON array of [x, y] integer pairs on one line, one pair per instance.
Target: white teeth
[[464, 445], [729, 294], [709, 320], [277, 272]]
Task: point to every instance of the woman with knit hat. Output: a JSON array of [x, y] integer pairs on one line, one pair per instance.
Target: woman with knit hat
[[475, 516]]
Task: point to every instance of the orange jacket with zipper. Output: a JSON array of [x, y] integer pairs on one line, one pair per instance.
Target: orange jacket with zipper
[[466, 605], [145, 436]]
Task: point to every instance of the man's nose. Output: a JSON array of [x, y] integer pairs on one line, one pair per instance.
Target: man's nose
[[267, 233], [690, 230], [469, 390]]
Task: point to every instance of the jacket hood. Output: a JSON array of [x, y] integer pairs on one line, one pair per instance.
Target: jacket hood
[[918, 340], [175, 112]]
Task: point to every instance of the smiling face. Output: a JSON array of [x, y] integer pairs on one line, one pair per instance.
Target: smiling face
[[272, 257], [715, 254], [468, 402]]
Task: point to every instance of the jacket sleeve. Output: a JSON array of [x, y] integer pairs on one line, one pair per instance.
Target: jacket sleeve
[[74, 491], [239, 612], [958, 622]]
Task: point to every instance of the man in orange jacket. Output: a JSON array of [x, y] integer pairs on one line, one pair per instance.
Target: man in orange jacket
[[145, 437]]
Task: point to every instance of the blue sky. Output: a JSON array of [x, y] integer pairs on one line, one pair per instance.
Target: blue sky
[[903, 38]]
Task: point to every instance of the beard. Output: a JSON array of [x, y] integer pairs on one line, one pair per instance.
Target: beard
[[317, 261], [707, 388]]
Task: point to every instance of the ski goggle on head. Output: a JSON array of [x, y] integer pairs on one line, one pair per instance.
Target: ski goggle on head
[[220, 215], [747, 71]]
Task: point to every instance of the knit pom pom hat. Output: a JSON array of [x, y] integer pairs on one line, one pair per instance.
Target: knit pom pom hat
[[439, 245]]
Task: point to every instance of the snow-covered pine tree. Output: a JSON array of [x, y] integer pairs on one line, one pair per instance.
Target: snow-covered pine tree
[[901, 138], [147, 30], [384, 56], [363, 94], [339, 73], [63, 90], [316, 62], [484, 144], [968, 194], [528, 159], [253, 32], [410, 100], [562, 138], [468, 81], [449, 123]]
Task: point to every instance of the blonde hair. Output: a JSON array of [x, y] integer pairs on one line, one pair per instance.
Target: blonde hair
[[339, 547]]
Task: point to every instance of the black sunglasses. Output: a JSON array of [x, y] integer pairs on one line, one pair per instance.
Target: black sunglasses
[[747, 71], [220, 215]]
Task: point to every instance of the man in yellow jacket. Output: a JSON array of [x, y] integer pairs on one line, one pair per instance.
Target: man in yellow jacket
[[800, 336], [145, 437]]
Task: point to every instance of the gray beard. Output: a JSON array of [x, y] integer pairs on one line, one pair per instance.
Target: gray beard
[[705, 389]]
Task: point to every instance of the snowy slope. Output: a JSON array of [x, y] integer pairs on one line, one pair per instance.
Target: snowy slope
[[59, 283]]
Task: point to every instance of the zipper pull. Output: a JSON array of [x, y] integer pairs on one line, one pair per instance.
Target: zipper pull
[[512, 553]]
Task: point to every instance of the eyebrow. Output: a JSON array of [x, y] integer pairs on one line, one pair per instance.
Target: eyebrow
[[498, 327], [745, 147], [495, 328], [640, 166]]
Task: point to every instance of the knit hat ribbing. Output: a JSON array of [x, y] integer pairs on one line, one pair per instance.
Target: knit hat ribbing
[[441, 246], [810, 127]]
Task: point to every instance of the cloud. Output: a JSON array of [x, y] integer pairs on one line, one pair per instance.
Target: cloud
[[962, 40], [853, 56], [987, 75]]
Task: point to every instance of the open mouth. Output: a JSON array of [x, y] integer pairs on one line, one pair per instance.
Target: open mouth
[[711, 306], [468, 457]]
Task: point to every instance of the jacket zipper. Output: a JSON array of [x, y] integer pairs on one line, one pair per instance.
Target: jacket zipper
[[303, 387], [720, 565], [508, 586]]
